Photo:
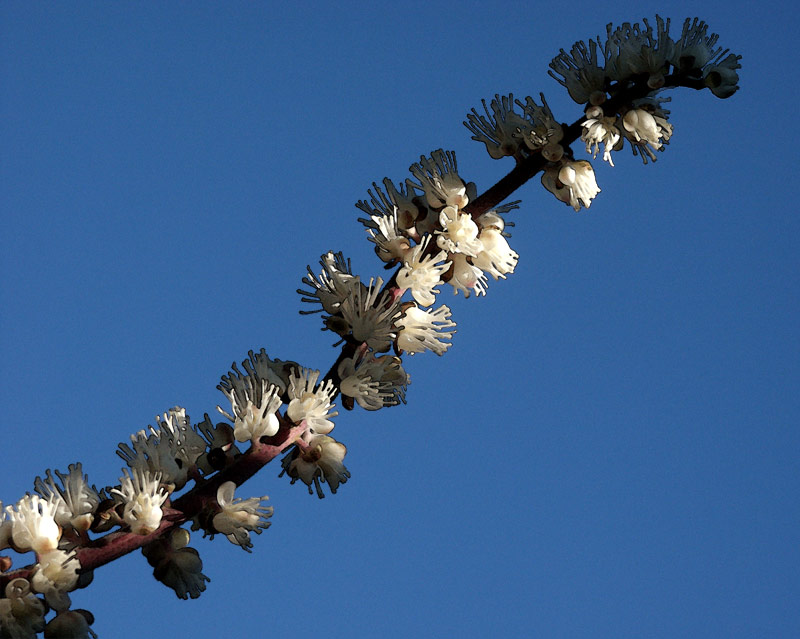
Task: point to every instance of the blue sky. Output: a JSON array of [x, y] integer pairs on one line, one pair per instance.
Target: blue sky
[[609, 449]]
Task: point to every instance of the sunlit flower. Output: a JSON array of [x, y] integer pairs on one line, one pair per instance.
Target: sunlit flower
[[310, 405], [600, 130], [422, 330], [76, 500], [579, 178], [239, 517], [33, 524], [465, 277], [56, 575], [422, 272], [459, 232], [254, 399], [646, 128], [390, 244], [497, 258], [438, 179], [142, 496], [171, 448]]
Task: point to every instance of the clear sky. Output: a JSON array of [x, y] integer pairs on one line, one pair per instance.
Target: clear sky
[[610, 447]]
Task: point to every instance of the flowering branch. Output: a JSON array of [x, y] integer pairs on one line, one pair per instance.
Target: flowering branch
[[432, 230]]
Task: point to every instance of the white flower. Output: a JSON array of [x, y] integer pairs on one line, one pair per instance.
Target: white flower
[[390, 244], [237, 517], [320, 460], [171, 448], [374, 382], [579, 178], [33, 524], [499, 130], [600, 130], [333, 286], [465, 277], [647, 128], [398, 202], [142, 497], [424, 330], [56, 575], [497, 258], [459, 232], [438, 179], [581, 72], [76, 500], [370, 313], [310, 405], [422, 272], [254, 401]]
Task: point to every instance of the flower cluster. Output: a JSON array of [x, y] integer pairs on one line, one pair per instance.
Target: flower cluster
[[434, 231], [617, 81]]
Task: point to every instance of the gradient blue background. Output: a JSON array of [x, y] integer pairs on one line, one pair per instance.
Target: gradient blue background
[[609, 449]]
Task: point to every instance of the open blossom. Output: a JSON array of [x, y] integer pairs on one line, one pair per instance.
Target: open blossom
[[500, 129], [647, 128], [422, 330], [398, 202], [76, 500], [33, 524], [600, 130], [237, 517], [254, 407], [374, 382], [721, 77], [579, 178], [390, 243], [56, 575], [370, 313], [466, 278], [142, 496], [318, 460], [333, 286], [422, 272], [581, 72], [541, 129], [438, 179], [459, 232], [497, 258], [310, 405], [171, 448]]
